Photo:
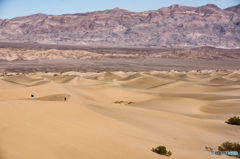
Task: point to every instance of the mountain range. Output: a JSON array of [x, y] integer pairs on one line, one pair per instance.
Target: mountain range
[[170, 27]]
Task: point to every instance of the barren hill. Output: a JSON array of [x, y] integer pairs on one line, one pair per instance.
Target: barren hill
[[171, 27]]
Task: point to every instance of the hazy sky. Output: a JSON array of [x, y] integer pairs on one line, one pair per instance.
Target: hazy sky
[[15, 8]]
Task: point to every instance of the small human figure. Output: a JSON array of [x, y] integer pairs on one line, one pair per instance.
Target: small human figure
[[65, 99], [32, 96]]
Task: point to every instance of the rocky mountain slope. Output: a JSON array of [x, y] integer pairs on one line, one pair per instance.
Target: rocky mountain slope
[[234, 9], [171, 27]]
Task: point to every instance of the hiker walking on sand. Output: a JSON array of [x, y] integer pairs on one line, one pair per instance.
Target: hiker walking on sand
[[65, 99], [32, 96]]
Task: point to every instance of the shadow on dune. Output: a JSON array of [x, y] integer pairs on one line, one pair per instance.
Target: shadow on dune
[[55, 97], [61, 79], [2, 156]]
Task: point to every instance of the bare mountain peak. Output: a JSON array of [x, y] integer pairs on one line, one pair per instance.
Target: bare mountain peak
[[175, 6], [39, 14], [212, 6], [117, 11], [30, 17]]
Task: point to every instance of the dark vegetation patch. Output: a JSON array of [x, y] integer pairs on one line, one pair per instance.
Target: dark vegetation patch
[[234, 120], [161, 150]]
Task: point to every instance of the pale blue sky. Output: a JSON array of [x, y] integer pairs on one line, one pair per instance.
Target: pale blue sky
[[14, 8]]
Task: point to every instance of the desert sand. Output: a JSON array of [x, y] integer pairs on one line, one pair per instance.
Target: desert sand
[[184, 111]]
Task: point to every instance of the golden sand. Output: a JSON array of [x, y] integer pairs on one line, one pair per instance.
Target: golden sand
[[184, 111]]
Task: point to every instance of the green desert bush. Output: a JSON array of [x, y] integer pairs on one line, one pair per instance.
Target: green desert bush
[[230, 146], [161, 150], [234, 121]]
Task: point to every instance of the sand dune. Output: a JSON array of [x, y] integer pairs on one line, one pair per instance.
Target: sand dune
[[133, 76], [230, 106], [8, 85], [233, 76], [109, 76], [21, 79], [61, 79], [184, 111], [235, 83], [220, 80], [184, 87], [144, 82], [38, 91], [173, 104], [25, 80], [84, 82]]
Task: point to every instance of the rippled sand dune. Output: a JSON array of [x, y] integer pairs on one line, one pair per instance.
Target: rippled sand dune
[[184, 111]]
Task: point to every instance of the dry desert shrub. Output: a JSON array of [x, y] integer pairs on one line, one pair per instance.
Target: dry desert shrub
[[161, 150], [208, 148], [169, 153], [234, 121], [130, 103], [230, 146], [120, 102]]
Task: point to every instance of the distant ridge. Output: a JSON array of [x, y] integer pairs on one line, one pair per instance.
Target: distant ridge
[[170, 27]]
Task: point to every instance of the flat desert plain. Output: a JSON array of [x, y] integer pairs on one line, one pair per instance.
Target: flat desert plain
[[184, 111]]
